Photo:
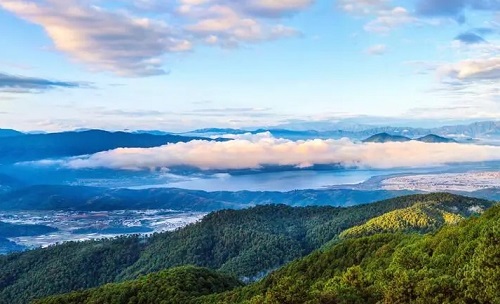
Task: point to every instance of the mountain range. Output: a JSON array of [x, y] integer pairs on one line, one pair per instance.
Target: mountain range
[[251, 243], [477, 130], [16, 146], [9, 133], [385, 137], [80, 198], [30, 147]]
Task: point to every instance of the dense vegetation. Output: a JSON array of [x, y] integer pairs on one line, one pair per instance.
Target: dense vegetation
[[246, 243], [458, 264], [421, 217], [172, 286]]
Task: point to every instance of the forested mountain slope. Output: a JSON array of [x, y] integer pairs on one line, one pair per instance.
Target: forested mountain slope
[[421, 217], [171, 286], [458, 264], [246, 243]]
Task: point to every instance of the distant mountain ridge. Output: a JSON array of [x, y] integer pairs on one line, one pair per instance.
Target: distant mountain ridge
[[484, 129], [80, 198], [433, 138], [10, 133], [53, 145], [385, 137]]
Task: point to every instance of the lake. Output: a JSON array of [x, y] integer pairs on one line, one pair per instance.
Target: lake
[[273, 181]]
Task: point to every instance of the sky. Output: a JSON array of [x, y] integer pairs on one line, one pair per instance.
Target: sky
[[179, 65]]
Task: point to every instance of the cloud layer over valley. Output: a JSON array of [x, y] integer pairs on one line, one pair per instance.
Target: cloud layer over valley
[[257, 151]]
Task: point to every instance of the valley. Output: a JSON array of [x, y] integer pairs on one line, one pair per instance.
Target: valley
[[81, 225]]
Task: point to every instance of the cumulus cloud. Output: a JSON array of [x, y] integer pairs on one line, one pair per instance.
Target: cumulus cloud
[[377, 50], [472, 69], [388, 20], [112, 41], [387, 16], [22, 84], [256, 151], [228, 26], [131, 38]]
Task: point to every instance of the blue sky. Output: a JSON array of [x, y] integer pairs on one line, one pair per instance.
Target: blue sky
[[184, 64]]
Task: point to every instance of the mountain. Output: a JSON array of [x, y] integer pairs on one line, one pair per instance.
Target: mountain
[[433, 138], [80, 198], [385, 137], [8, 183], [246, 243], [215, 131], [153, 132], [421, 217], [9, 133], [41, 146], [326, 130], [16, 230], [7, 246], [171, 286], [457, 264], [474, 130]]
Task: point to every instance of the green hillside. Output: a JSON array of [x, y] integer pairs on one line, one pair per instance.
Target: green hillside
[[172, 286], [421, 217], [245, 243], [458, 264]]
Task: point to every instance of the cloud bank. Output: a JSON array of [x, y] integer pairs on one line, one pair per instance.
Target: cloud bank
[[256, 151]]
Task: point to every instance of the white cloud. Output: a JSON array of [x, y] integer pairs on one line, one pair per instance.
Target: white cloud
[[362, 7], [132, 38], [472, 69], [104, 40], [378, 49], [225, 26], [388, 20], [255, 151]]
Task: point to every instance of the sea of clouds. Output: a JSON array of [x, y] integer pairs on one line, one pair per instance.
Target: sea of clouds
[[253, 151]]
